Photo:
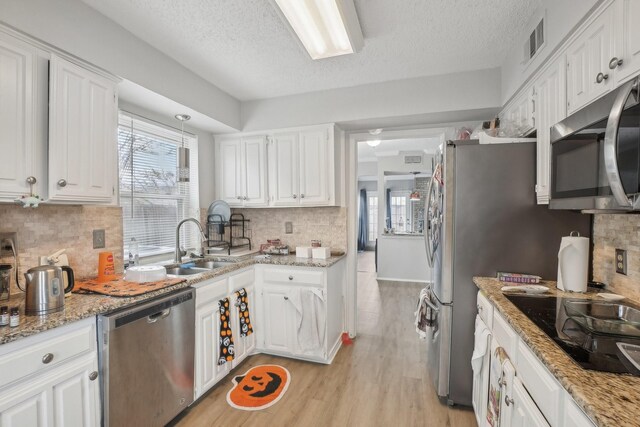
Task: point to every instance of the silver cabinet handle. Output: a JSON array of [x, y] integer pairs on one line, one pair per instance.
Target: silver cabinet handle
[[615, 63], [31, 180], [302, 196], [93, 375], [245, 198], [47, 358], [62, 183], [295, 196], [290, 277], [601, 77], [239, 197], [286, 298], [479, 308], [508, 400]]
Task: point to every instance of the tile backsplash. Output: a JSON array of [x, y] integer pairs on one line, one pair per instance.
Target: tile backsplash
[[327, 224], [48, 228], [622, 231]]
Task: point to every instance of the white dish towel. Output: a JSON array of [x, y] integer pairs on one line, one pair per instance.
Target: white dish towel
[[310, 318], [481, 345]]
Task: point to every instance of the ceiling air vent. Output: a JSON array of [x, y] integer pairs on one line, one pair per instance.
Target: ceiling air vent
[[534, 42], [409, 160]]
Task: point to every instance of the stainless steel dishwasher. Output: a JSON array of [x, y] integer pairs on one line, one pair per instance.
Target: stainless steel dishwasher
[[147, 360]]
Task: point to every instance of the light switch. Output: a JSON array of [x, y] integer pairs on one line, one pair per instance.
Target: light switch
[[98, 239], [288, 227]]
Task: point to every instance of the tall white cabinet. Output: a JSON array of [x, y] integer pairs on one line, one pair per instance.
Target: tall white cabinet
[[82, 134], [23, 144]]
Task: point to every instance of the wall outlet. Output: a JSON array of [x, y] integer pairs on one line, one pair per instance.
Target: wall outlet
[[288, 227], [98, 239], [621, 261]]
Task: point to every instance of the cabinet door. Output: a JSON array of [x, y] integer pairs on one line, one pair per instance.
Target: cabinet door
[[587, 58], [18, 98], [82, 134], [480, 397], [314, 167], [208, 372], [244, 346], [76, 399], [524, 412], [551, 108], [279, 318], [229, 172], [627, 39], [283, 169], [254, 167], [65, 397]]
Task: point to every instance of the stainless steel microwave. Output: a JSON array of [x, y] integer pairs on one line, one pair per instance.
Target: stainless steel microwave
[[595, 154]]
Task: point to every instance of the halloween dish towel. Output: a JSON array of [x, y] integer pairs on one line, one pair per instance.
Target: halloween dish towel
[[242, 301], [227, 349], [259, 388]]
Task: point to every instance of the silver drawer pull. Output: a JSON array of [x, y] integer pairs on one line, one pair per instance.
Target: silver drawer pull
[[62, 183], [93, 375], [295, 196], [47, 358], [286, 298], [479, 308], [601, 77], [290, 277], [615, 63]]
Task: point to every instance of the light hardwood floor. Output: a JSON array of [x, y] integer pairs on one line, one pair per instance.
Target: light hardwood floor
[[380, 380]]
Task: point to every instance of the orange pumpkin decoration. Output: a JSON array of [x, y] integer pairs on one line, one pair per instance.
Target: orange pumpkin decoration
[[259, 387]]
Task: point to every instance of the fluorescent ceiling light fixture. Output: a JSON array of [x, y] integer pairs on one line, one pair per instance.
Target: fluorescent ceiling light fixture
[[374, 143], [325, 28]]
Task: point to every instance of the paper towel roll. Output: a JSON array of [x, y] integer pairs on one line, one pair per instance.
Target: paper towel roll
[[573, 263]]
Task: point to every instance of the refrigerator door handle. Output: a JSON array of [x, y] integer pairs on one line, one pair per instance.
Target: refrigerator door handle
[[431, 222]]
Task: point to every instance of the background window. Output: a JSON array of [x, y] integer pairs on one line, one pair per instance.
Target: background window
[[399, 210], [372, 206], [152, 200]]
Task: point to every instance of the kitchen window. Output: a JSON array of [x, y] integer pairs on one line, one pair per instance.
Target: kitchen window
[[372, 206], [152, 200], [400, 214]]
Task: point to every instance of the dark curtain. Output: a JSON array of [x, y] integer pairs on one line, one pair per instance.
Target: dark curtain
[[387, 201], [363, 221]]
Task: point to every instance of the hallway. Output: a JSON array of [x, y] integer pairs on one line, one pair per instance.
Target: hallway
[[380, 380]]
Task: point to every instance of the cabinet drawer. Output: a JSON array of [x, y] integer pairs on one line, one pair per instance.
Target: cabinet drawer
[[294, 276], [541, 385], [504, 335], [240, 280], [69, 341], [210, 291], [485, 310]]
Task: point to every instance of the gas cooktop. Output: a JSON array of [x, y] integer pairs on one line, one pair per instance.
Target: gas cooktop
[[591, 350]]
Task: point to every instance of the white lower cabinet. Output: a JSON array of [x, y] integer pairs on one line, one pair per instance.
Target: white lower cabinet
[[208, 324], [279, 318], [63, 392], [530, 394]]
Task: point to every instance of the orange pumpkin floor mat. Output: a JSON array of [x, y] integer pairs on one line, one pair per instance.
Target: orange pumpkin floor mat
[[259, 387]]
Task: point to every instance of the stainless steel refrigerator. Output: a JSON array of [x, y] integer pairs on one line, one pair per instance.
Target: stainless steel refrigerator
[[482, 218]]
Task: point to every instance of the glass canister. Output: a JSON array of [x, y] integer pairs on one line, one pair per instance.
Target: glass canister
[[5, 281]]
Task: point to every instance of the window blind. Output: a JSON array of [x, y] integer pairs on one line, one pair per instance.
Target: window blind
[[152, 200]]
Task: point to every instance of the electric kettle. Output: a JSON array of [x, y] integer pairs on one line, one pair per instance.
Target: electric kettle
[[45, 289]]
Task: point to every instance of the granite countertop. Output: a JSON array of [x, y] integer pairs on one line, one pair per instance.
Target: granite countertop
[[81, 306], [608, 399]]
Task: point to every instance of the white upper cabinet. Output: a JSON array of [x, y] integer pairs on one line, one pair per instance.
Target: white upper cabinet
[[22, 122], [228, 168], [551, 102], [82, 134], [283, 169], [254, 167], [520, 113], [625, 62], [314, 160], [588, 75], [302, 167], [242, 171]]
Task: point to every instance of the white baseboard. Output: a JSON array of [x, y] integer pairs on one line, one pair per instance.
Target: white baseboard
[[391, 279]]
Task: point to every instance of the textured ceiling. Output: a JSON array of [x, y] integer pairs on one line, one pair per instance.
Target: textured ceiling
[[244, 48]]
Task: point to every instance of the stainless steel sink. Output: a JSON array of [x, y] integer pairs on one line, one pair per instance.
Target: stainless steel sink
[[211, 265], [180, 271], [605, 317]]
